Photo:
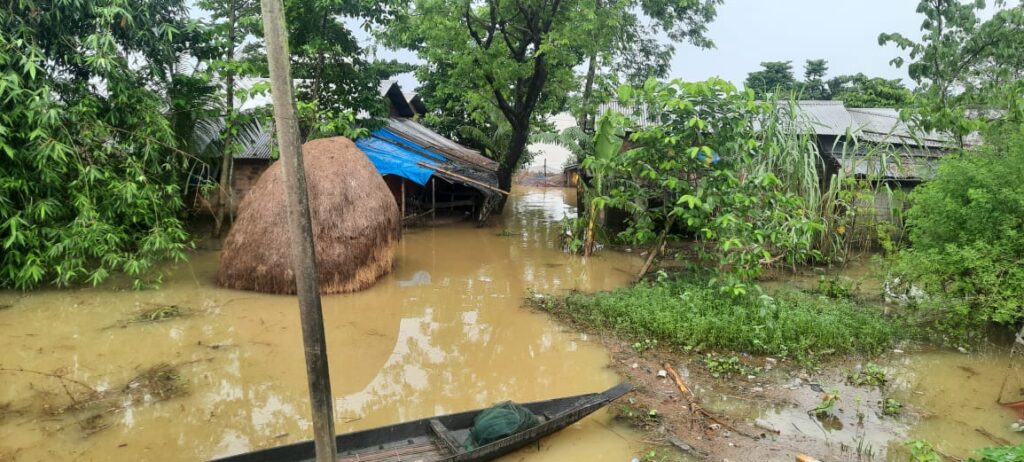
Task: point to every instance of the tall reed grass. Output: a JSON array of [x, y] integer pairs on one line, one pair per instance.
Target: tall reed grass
[[850, 189]]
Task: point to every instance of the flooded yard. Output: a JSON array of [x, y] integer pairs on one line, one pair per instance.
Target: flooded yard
[[444, 332], [192, 372]]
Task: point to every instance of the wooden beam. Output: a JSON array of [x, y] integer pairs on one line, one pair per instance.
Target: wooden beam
[[463, 178], [300, 227], [444, 435]]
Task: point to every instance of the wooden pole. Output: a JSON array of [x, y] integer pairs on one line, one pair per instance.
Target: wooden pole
[[300, 230], [433, 198], [403, 196]]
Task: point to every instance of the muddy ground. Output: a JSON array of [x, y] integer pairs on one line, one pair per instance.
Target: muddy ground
[[724, 418]]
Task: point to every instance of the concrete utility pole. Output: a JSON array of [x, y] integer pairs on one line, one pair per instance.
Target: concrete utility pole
[[301, 231]]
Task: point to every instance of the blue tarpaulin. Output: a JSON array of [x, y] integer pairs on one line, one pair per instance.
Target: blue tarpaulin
[[396, 156]]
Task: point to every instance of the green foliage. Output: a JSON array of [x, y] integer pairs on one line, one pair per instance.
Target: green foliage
[[967, 235], [727, 366], [961, 62], [836, 287], [644, 345], [1001, 454], [891, 407], [332, 72], [516, 56], [827, 406], [859, 90], [814, 86], [843, 203], [695, 167], [90, 182], [693, 316], [872, 375], [774, 77], [621, 42], [923, 451]]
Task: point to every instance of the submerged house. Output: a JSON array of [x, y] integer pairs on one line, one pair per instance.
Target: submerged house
[[874, 144], [426, 172], [871, 144]]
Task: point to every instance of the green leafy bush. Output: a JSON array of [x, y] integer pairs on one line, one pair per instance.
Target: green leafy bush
[[872, 374], [967, 232], [1001, 454], [691, 173], [727, 366], [692, 315], [90, 180]]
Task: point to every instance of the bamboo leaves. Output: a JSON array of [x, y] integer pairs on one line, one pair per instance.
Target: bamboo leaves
[[89, 184]]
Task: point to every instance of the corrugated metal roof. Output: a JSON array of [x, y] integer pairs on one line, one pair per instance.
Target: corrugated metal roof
[[639, 114], [423, 136], [385, 86], [823, 117], [908, 168], [884, 125], [261, 148]]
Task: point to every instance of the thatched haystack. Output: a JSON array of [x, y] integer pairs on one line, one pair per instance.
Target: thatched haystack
[[355, 225]]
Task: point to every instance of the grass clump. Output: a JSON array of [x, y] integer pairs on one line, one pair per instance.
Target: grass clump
[[694, 316], [871, 375], [728, 365]]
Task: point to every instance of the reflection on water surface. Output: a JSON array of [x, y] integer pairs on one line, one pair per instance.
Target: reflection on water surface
[[444, 332]]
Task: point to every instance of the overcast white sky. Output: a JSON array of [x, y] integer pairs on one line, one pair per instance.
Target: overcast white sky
[[843, 32]]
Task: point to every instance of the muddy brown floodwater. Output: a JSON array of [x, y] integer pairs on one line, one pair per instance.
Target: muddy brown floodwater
[[445, 332]]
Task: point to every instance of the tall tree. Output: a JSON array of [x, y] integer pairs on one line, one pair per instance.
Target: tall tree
[[774, 76], [519, 56], [514, 55], [953, 62], [860, 90], [814, 80], [621, 41], [90, 182], [232, 22], [333, 73]]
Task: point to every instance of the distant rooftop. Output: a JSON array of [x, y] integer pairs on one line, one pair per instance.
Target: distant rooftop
[[829, 118]]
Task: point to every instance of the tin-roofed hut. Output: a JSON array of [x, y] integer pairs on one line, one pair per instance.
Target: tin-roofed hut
[[356, 225]]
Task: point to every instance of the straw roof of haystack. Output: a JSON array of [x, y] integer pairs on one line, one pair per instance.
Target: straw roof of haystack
[[355, 225]]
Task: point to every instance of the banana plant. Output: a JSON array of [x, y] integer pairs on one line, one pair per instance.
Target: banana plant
[[608, 140]]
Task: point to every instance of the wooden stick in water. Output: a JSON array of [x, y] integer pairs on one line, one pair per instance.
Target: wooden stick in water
[[300, 227]]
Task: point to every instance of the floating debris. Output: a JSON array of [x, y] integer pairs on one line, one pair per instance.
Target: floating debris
[[158, 313], [91, 407]]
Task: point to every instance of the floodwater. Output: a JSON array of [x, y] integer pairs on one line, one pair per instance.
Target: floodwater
[[446, 331], [951, 399], [958, 396]]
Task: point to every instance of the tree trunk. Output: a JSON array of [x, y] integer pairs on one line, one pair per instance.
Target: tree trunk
[[589, 116], [516, 148], [303, 254], [224, 182]]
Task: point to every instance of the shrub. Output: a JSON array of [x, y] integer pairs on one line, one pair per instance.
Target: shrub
[[967, 232], [692, 173]]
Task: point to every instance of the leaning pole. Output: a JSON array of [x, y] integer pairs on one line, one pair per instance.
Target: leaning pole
[[300, 230]]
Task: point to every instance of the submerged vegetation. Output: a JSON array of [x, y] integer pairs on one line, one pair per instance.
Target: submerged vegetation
[[91, 408]]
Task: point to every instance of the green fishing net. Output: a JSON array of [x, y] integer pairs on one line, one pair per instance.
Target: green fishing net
[[499, 421]]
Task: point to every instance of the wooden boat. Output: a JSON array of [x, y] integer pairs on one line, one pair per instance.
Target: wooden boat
[[442, 439]]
